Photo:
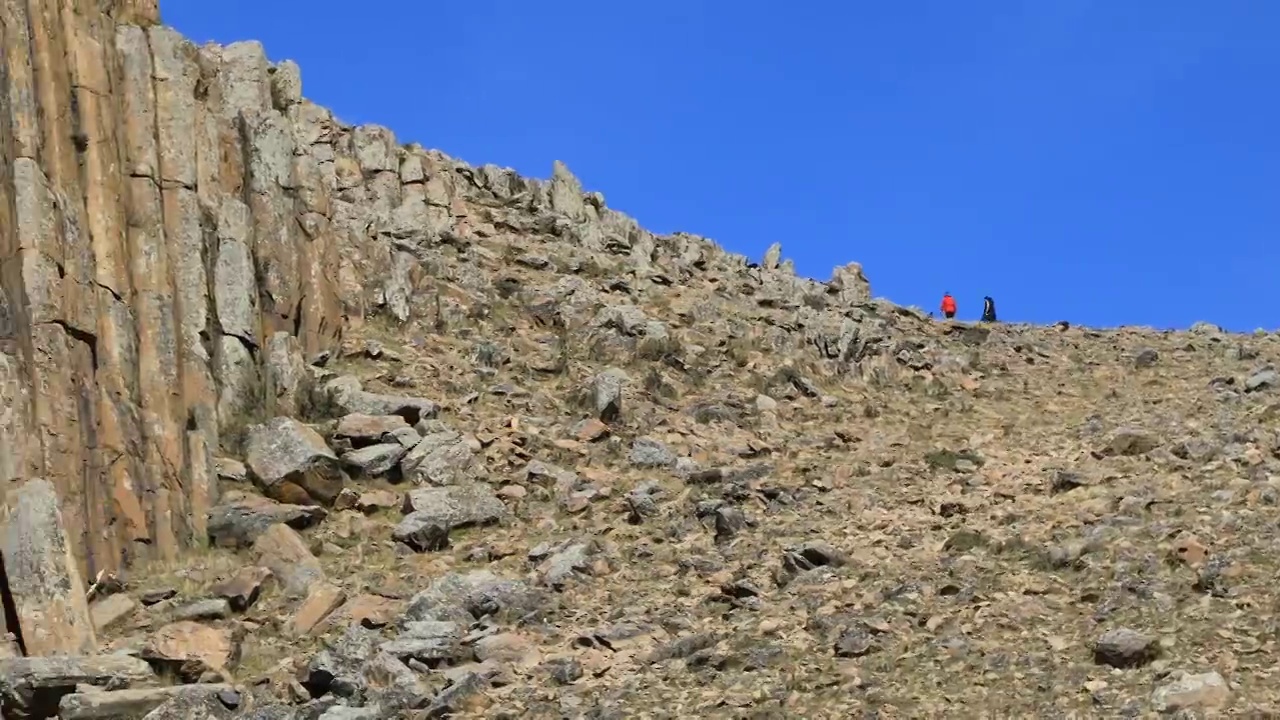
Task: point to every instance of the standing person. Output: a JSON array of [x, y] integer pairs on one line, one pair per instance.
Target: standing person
[[988, 309], [948, 305]]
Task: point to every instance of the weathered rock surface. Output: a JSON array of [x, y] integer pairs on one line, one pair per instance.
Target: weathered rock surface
[[292, 463], [43, 577], [188, 649], [699, 484], [134, 702], [240, 520], [282, 551], [32, 687]]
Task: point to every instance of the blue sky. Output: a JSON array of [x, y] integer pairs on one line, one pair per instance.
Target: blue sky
[[1096, 161]]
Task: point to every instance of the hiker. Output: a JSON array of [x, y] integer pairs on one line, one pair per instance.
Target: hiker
[[988, 309], [948, 305]]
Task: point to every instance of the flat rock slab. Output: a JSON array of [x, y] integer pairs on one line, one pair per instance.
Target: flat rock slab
[[48, 592], [222, 705], [361, 430], [347, 397], [32, 687], [375, 460], [242, 518], [456, 506], [134, 702]]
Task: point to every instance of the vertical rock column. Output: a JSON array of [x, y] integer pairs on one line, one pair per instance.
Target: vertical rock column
[[177, 227], [191, 425], [63, 275], [320, 317], [159, 400]]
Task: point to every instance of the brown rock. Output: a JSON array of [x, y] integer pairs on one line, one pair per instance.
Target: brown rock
[[361, 429], [243, 589], [371, 611], [590, 430], [111, 609], [376, 500], [189, 649], [346, 499], [323, 599], [513, 648], [285, 553], [1190, 550]]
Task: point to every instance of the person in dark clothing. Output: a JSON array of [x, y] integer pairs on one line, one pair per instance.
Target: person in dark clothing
[[988, 309]]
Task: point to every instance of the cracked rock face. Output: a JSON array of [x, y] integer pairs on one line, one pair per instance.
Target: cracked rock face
[[301, 422]]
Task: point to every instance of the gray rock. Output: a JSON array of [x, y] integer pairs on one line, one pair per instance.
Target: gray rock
[[33, 687], [283, 452], [464, 597], [1261, 380], [427, 641], [111, 704], [440, 458], [649, 453], [43, 579], [606, 394], [239, 521], [375, 460], [1123, 648], [361, 430], [1145, 358], [456, 506], [1184, 691], [211, 609], [346, 396]]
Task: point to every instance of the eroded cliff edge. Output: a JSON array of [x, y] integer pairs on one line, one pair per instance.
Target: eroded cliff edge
[[179, 226]]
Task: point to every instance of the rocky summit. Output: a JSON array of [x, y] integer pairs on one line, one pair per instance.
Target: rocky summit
[[303, 423]]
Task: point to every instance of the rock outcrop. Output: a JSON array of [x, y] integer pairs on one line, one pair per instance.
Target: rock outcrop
[[179, 226]]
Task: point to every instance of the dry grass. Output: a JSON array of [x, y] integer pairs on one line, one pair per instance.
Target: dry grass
[[971, 585]]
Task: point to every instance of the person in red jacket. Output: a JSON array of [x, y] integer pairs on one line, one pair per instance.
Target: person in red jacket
[[948, 305]]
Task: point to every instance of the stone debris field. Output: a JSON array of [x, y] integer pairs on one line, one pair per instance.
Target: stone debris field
[[301, 423]]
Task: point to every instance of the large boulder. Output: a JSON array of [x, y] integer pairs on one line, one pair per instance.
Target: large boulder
[[292, 464]]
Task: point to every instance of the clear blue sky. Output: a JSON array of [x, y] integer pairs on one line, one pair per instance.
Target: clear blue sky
[[1101, 161]]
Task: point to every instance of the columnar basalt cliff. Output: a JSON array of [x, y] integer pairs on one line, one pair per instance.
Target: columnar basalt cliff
[[459, 443], [178, 226]]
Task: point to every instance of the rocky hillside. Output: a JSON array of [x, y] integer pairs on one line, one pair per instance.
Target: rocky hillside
[[300, 422]]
